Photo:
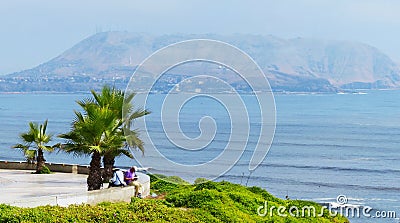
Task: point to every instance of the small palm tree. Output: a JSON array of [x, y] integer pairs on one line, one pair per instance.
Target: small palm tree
[[37, 136]]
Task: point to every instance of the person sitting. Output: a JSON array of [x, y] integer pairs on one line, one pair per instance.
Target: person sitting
[[118, 178], [131, 180]]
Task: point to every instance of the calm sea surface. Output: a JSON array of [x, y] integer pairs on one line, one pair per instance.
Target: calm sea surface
[[324, 146]]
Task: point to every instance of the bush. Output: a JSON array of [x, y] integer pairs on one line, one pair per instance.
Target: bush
[[45, 170], [206, 185], [193, 199], [200, 180], [162, 186], [263, 193], [170, 179]]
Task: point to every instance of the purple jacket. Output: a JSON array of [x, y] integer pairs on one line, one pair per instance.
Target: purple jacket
[[129, 174]]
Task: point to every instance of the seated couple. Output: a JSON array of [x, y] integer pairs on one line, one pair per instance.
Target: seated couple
[[129, 178]]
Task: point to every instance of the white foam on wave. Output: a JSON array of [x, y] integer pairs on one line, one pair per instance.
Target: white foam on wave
[[325, 199], [383, 199], [362, 159], [355, 199]]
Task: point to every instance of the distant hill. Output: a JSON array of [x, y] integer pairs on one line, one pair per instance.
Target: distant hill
[[298, 64]]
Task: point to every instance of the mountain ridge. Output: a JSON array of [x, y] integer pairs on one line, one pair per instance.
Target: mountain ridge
[[296, 64]]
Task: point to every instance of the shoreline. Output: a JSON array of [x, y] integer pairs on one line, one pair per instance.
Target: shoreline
[[339, 91]]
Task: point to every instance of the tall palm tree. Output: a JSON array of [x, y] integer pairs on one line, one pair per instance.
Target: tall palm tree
[[113, 100], [37, 136], [92, 134]]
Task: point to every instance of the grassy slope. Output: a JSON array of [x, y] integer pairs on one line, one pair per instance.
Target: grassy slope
[[207, 202]]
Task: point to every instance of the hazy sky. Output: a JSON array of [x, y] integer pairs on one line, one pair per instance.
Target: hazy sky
[[34, 31]]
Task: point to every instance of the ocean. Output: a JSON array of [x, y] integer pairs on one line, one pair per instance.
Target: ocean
[[325, 145]]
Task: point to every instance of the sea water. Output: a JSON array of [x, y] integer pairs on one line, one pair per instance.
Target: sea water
[[325, 145]]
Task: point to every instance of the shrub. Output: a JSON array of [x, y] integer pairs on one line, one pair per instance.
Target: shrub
[[170, 179], [45, 170], [200, 180], [206, 185], [163, 186], [193, 199], [263, 193]]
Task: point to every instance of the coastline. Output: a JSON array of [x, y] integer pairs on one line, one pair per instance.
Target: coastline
[[202, 202]]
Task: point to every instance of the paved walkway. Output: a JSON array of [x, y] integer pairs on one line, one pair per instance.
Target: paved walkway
[[19, 185], [24, 189]]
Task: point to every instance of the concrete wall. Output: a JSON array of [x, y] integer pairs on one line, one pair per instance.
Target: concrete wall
[[55, 167], [16, 165]]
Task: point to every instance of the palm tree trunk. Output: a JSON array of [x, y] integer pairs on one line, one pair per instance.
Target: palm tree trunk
[[94, 179], [40, 161], [108, 163]]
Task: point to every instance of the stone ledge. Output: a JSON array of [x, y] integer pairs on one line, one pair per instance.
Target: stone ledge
[[55, 167]]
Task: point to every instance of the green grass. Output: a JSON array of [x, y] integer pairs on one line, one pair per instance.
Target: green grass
[[206, 202]]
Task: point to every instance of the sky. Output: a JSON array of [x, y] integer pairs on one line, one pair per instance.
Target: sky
[[35, 31]]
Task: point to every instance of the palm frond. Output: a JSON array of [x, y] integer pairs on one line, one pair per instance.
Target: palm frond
[[35, 139], [99, 128], [133, 140], [21, 146]]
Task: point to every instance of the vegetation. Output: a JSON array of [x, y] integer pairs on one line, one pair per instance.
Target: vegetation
[[206, 202], [99, 132], [113, 100], [200, 180], [93, 133], [45, 170], [38, 137]]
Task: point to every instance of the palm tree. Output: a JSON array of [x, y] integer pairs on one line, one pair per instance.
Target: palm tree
[[113, 100], [37, 136], [99, 132], [93, 133]]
